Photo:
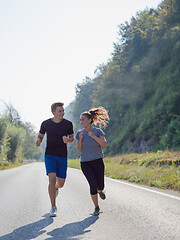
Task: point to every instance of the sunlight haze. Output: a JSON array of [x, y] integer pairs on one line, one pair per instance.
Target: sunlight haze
[[47, 47]]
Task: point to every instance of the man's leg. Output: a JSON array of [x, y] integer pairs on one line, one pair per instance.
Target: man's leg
[[52, 188], [60, 182], [61, 172]]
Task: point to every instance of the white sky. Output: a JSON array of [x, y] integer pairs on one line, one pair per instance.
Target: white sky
[[48, 46]]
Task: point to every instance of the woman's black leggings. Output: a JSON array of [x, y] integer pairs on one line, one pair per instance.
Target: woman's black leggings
[[94, 173]]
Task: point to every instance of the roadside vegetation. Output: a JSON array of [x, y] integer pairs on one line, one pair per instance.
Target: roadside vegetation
[[10, 165], [156, 169], [17, 139]]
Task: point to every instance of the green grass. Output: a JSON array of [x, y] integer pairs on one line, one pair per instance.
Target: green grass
[[74, 163], [158, 169], [10, 165]]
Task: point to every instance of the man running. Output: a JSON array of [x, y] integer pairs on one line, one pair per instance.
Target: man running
[[59, 132]]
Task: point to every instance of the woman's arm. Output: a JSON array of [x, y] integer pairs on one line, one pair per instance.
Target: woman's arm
[[79, 142], [101, 140]]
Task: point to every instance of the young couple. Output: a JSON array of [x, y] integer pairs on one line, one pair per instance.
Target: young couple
[[90, 141]]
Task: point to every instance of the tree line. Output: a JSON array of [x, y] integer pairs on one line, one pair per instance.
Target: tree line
[[139, 85], [17, 139]]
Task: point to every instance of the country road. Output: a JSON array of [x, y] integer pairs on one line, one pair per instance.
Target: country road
[[130, 212]]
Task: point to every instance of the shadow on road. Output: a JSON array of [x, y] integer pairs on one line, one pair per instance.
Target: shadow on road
[[29, 231], [72, 230]]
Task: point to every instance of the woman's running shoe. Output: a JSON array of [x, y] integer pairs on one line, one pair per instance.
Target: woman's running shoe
[[102, 195], [96, 211]]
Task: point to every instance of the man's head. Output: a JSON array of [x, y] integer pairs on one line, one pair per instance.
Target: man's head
[[57, 109], [55, 105]]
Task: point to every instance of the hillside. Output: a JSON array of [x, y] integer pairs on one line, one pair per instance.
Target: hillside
[[139, 85]]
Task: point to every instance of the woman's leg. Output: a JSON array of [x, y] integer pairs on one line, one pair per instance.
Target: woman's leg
[[99, 174], [89, 174], [95, 200]]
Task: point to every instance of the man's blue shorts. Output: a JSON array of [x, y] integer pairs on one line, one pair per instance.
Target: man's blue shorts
[[57, 165]]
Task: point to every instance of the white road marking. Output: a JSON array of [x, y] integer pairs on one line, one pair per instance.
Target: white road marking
[[146, 189]]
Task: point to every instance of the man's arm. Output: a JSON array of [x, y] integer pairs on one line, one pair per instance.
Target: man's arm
[[39, 139]]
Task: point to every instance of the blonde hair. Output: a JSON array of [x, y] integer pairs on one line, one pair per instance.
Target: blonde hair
[[98, 115]]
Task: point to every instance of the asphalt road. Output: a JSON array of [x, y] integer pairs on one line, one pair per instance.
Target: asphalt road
[[130, 212]]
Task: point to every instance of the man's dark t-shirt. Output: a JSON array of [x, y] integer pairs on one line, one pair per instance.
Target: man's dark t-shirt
[[55, 131]]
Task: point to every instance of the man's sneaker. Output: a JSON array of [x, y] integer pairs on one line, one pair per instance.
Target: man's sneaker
[[96, 211], [102, 195], [57, 191], [53, 212]]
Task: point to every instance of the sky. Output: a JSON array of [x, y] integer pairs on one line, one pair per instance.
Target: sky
[[47, 47]]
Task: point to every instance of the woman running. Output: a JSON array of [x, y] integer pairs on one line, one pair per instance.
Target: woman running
[[90, 141]]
